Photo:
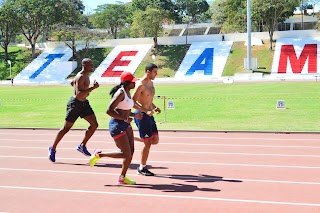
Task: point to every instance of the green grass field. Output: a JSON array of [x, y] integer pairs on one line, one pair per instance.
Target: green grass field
[[238, 106], [249, 106]]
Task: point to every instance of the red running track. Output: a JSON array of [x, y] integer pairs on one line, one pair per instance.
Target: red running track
[[195, 172]]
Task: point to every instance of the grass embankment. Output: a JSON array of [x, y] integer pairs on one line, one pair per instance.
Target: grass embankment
[[20, 57], [235, 62]]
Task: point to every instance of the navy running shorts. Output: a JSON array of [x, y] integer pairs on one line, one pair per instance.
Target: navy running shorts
[[117, 128], [147, 126]]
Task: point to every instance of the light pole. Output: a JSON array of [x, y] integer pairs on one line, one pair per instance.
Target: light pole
[[187, 20], [189, 23], [302, 13], [9, 62], [249, 35], [187, 32], [153, 58], [126, 25]]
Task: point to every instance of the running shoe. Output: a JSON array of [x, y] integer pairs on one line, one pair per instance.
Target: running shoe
[[144, 171], [51, 154], [126, 180], [83, 150], [94, 158]]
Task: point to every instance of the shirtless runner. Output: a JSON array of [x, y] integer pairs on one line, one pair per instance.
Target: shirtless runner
[[143, 97], [78, 106]]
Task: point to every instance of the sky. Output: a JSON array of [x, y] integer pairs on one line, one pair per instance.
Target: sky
[[92, 4]]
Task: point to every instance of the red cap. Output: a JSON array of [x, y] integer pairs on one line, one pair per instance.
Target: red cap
[[127, 76]]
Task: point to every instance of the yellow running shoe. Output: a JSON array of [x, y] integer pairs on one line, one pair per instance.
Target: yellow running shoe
[[125, 180], [94, 158]]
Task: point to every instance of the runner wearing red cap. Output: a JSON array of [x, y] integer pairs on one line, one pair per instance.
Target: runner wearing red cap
[[119, 126]]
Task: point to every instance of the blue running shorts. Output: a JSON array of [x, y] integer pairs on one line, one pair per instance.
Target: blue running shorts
[[147, 126], [117, 128]]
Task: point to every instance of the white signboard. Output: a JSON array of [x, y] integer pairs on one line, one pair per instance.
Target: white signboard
[[170, 105], [280, 104]]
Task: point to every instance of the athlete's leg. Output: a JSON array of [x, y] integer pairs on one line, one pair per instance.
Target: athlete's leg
[[125, 152], [138, 139], [149, 141], [91, 129], [67, 126], [124, 145], [142, 169], [131, 138], [145, 151], [155, 140]]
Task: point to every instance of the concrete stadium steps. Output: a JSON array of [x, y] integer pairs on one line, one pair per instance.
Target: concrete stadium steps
[[175, 32], [195, 31]]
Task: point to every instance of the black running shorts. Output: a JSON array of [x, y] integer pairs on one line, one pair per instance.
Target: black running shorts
[[76, 108]]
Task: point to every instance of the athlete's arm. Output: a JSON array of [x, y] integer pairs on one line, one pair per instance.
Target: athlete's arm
[[156, 109], [82, 91]]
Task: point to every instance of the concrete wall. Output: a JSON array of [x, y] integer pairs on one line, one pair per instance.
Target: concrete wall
[[172, 40]]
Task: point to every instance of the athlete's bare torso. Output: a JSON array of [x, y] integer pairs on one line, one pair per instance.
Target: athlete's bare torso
[[80, 83], [146, 94]]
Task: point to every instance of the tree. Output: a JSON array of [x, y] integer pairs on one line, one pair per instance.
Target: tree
[[70, 27], [167, 5], [192, 8], [8, 26], [73, 14], [75, 28], [313, 3], [219, 12], [231, 15], [73, 36], [143, 4], [148, 23], [34, 17], [110, 16], [273, 12]]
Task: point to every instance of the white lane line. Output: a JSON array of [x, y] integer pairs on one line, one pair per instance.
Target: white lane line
[[169, 143], [175, 152], [50, 141], [186, 177], [179, 137], [159, 196], [178, 162]]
